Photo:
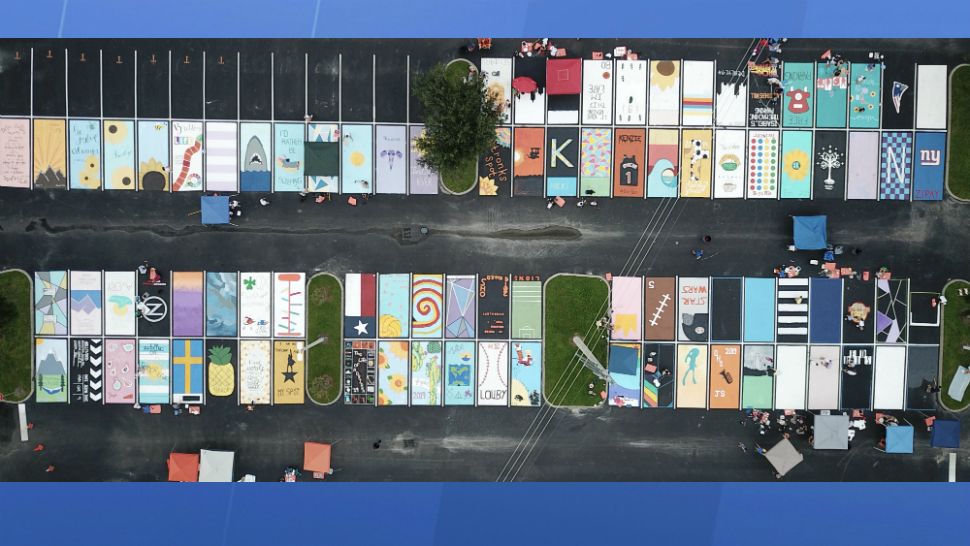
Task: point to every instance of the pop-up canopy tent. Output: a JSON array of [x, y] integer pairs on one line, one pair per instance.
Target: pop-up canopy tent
[[946, 433], [810, 232], [783, 457], [183, 467], [216, 466], [564, 76], [899, 439], [316, 457], [831, 432], [215, 209]]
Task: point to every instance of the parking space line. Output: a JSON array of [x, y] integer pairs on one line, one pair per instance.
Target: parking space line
[[340, 94], [170, 85], [67, 94], [238, 84], [22, 410], [101, 86], [373, 88], [407, 90], [272, 86], [953, 466], [203, 86], [31, 83]]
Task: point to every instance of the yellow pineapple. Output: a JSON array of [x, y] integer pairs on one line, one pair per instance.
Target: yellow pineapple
[[222, 378]]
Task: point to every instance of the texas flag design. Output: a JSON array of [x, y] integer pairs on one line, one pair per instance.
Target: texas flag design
[[360, 305]]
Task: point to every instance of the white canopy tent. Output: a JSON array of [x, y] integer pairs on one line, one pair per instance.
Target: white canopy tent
[[831, 432], [784, 457], [216, 466]]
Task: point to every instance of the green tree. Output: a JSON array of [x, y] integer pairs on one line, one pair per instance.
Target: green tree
[[460, 116]]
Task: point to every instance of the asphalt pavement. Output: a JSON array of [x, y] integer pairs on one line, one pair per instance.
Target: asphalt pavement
[[924, 241]]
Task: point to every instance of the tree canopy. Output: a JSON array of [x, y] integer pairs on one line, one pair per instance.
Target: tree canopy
[[460, 116]]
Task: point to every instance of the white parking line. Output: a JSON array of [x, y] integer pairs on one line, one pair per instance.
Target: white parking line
[[22, 410], [953, 466]]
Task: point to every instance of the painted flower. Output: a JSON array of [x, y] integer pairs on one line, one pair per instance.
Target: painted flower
[[123, 178], [486, 186], [389, 326], [382, 359], [797, 164], [400, 349], [382, 399], [398, 383], [115, 132]]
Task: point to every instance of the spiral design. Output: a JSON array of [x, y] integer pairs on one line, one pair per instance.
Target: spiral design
[[426, 308]]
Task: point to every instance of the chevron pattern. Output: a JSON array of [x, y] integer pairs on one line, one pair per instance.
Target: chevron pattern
[[87, 381]]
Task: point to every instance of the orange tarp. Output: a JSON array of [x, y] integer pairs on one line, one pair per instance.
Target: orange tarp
[[183, 467], [316, 457], [725, 362]]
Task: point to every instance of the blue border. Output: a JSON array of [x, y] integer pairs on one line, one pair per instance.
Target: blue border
[[482, 513], [465, 18], [325, 513]]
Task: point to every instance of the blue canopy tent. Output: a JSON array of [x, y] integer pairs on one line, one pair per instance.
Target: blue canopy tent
[[899, 439], [946, 433], [810, 232], [215, 210]]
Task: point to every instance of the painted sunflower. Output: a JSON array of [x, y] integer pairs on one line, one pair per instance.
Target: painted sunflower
[[400, 349], [797, 164], [397, 383], [115, 132]]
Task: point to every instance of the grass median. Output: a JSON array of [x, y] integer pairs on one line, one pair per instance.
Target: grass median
[[956, 334], [958, 173], [572, 304], [324, 319], [15, 336]]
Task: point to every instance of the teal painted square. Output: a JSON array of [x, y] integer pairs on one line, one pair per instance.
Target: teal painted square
[[796, 164]]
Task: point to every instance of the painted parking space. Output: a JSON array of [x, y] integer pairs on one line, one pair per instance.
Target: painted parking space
[[872, 106], [427, 339]]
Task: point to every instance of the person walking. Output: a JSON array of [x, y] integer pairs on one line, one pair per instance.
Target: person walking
[[744, 448], [698, 253]]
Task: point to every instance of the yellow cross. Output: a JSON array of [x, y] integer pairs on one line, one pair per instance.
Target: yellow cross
[[188, 360]]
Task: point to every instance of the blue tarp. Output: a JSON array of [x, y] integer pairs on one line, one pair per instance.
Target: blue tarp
[[899, 439], [946, 433], [215, 209], [810, 232]]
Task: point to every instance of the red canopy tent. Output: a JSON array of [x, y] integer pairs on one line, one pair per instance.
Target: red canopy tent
[[564, 76], [183, 467], [316, 458]]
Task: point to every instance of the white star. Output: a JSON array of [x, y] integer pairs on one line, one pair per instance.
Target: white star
[[361, 327]]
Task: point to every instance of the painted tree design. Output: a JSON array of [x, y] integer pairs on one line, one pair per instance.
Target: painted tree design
[[830, 158]]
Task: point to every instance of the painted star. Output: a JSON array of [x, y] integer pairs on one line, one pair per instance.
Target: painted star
[[289, 376], [361, 328]]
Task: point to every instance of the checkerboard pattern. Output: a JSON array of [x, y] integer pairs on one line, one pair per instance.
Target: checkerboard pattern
[[896, 165]]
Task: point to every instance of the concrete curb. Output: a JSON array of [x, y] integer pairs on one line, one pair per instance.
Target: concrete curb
[[441, 185], [545, 332], [940, 368], [340, 383], [33, 344], [949, 141]]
